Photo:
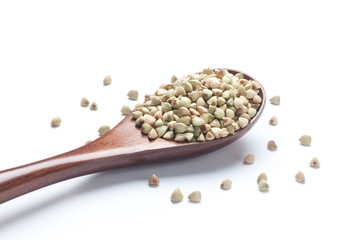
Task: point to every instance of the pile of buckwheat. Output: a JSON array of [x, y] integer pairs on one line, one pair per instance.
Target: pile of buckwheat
[[199, 107]]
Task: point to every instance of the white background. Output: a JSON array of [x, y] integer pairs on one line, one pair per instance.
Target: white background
[[54, 53]]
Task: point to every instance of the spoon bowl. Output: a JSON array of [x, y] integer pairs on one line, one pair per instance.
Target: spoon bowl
[[122, 146]]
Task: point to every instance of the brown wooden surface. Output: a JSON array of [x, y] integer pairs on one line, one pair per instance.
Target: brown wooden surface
[[122, 146]]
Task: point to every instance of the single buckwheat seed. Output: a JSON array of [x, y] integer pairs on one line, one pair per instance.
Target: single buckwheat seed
[[275, 100], [84, 102], [271, 145], [305, 140], [176, 195], [152, 134], [154, 180], [107, 80], [262, 176], [315, 163], [249, 159], [133, 94], [273, 121], [125, 110], [93, 106], [103, 130], [55, 122], [263, 185], [226, 184], [300, 177], [195, 196]]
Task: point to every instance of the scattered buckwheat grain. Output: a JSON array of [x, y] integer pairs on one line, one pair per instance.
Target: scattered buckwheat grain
[[176, 196], [133, 94], [275, 100], [271, 145], [107, 80], [305, 140], [93, 106], [262, 176], [315, 163], [125, 110], [55, 122], [84, 102], [154, 180], [103, 130], [273, 121], [249, 159], [195, 196], [263, 185], [300, 177], [226, 184]]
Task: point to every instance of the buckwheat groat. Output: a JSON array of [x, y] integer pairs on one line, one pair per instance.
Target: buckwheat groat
[[103, 130], [226, 184], [195, 196], [177, 195], [133, 94], [275, 100], [84, 102], [305, 140], [315, 163], [154, 180], [107, 80], [55, 122]]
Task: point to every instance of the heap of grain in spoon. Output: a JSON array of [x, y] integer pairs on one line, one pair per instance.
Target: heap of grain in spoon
[[199, 107]]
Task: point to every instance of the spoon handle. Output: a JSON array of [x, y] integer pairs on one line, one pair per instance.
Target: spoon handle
[[113, 150], [20, 180]]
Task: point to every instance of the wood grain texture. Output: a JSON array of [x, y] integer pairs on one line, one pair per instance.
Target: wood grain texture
[[122, 146]]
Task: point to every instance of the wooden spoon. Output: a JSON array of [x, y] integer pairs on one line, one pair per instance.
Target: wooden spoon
[[122, 146]]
